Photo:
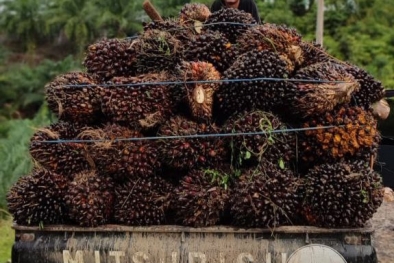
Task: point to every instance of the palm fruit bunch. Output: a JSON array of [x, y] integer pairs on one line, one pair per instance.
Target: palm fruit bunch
[[201, 199], [110, 57], [65, 158], [236, 96], [330, 86], [265, 196], [266, 142], [181, 151], [90, 199], [142, 201], [371, 90], [117, 152], [199, 95], [231, 22], [213, 47], [313, 53], [279, 38], [343, 194], [194, 11], [143, 101], [157, 51], [74, 97], [339, 134], [38, 198]]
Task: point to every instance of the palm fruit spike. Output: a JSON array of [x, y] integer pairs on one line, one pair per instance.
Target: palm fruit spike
[[79, 103], [157, 51], [110, 57], [200, 95], [142, 202], [313, 53], [277, 147], [318, 97], [194, 11], [213, 47], [201, 199], [90, 199], [233, 97], [145, 105], [265, 196], [279, 38], [231, 22], [115, 156], [342, 194], [186, 153], [65, 158], [37, 199], [371, 90], [351, 131]]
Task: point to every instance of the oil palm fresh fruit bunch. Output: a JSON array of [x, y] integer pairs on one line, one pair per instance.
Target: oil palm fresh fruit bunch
[[63, 157], [38, 199], [371, 90], [342, 194], [213, 47], [330, 86], [241, 92], [181, 151], [74, 97], [231, 22], [108, 58], [313, 53], [144, 101], [201, 199], [274, 143], [194, 11], [199, 95], [142, 202], [90, 199], [265, 196], [157, 51], [279, 38], [339, 134], [116, 152]]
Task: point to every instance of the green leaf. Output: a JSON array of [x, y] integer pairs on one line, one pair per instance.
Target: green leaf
[[281, 164]]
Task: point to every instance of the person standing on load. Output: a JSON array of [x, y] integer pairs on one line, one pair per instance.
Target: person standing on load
[[249, 6]]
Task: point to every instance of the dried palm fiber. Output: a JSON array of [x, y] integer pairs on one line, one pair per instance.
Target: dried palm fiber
[[351, 132], [37, 198], [231, 22], [213, 47], [143, 101], [199, 96], [265, 196], [242, 93], [142, 202], [117, 154], [321, 95], [74, 97], [278, 38], [313, 53], [194, 11], [187, 153], [180, 30], [271, 145], [343, 194], [201, 199], [157, 51], [371, 90], [90, 199], [112, 57], [65, 158]]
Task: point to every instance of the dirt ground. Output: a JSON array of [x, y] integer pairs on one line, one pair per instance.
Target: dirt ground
[[383, 222]]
